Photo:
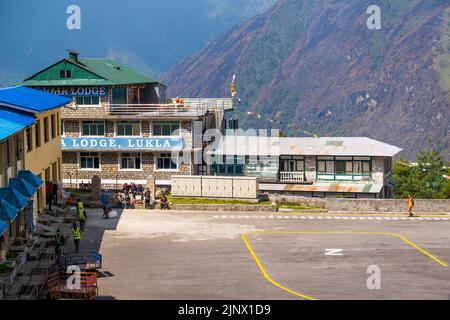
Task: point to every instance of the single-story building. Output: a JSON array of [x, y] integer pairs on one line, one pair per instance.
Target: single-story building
[[355, 167]]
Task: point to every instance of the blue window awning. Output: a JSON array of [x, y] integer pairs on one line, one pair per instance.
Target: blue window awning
[[8, 212], [3, 227], [24, 187], [31, 178], [14, 197]]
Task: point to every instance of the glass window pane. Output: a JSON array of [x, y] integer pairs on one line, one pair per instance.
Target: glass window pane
[[348, 167], [366, 167], [157, 130], [124, 163], [137, 163], [322, 167], [357, 167], [95, 100], [340, 167], [330, 167], [85, 129], [166, 130]]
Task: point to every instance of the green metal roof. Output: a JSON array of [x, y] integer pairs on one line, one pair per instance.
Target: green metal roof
[[97, 72]]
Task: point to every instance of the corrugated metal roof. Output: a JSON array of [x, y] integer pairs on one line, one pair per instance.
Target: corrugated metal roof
[[3, 227], [335, 187], [113, 73], [31, 100], [274, 146], [12, 121]]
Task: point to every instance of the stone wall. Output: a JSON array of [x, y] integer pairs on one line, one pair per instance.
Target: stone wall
[[301, 201], [387, 205], [110, 173]]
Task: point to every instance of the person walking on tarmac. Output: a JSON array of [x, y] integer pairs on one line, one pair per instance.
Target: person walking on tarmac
[[410, 202], [59, 246], [76, 235], [81, 214], [59, 241]]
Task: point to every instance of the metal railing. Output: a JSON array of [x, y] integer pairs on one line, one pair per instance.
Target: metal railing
[[292, 176], [188, 108]]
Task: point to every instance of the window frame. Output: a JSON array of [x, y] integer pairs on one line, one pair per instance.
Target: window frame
[[29, 139], [168, 156], [91, 156], [95, 123], [52, 126], [366, 162], [37, 133], [170, 123], [90, 105], [121, 157], [46, 133], [117, 123]]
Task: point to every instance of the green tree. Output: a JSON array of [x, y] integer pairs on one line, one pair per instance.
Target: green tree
[[424, 180]]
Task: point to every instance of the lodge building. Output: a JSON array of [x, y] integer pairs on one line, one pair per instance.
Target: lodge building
[[355, 167], [121, 126]]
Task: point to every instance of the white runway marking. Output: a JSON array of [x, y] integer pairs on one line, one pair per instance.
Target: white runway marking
[[297, 217]]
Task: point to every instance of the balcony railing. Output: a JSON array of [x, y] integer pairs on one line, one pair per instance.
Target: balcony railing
[[188, 108], [292, 176]]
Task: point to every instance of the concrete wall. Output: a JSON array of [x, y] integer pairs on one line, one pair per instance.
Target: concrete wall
[[45, 160], [387, 205]]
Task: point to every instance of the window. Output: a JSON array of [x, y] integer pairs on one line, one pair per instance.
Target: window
[[366, 168], [45, 129], [87, 101], [128, 128], [58, 132], [340, 167], [65, 74], [357, 165], [89, 160], [119, 96], [292, 164], [130, 161], [165, 128], [29, 139], [93, 128], [232, 166], [164, 162], [53, 126], [37, 133], [326, 167], [8, 153]]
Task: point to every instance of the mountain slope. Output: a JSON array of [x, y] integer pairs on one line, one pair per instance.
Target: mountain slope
[[314, 64]]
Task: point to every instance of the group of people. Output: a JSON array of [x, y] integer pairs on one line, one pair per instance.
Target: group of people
[[51, 191], [78, 228], [133, 194]]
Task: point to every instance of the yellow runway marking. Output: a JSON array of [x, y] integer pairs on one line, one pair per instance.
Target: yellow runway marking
[[266, 275]]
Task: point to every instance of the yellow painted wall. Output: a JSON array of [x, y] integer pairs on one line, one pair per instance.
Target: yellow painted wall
[[43, 158]]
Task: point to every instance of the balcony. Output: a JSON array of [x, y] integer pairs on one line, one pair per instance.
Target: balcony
[[292, 176], [188, 108]]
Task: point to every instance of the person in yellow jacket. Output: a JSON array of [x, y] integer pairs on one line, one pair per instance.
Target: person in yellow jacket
[[81, 214], [410, 202], [76, 235]]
